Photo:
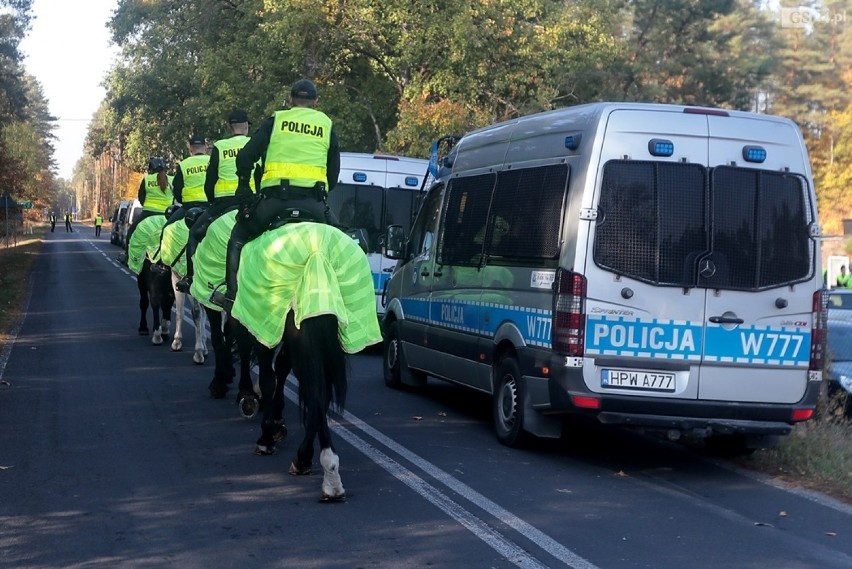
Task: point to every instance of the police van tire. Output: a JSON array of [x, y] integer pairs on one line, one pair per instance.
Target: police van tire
[[396, 372], [508, 404]]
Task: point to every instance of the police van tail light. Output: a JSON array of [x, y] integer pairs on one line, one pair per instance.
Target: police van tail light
[[569, 313], [818, 332]]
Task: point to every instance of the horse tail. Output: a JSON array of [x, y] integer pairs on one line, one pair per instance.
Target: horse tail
[[321, 356]]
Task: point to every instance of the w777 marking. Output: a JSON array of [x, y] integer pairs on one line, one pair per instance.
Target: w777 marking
[[753, 344]]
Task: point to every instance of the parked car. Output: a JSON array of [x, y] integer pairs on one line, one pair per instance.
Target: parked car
[[134, 210], [840, 304], [840, 360], [117, 220]]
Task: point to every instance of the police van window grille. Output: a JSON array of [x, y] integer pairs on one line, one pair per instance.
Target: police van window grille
[[465, 217], [651, 221], [359, 207], [760, 229], [526, 213]]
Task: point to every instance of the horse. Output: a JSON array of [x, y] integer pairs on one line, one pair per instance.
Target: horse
[[154, 286], [231, 342], [306, 293], [173, 255]]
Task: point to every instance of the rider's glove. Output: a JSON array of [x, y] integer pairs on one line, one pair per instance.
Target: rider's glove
[[243, 192]]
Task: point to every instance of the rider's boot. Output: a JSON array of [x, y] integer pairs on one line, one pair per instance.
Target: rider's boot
[[183, 284]]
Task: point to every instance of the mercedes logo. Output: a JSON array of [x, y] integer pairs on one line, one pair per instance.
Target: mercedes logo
[[707, 269]]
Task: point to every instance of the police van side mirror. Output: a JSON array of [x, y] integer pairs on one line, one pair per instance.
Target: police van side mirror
[[395, 242]]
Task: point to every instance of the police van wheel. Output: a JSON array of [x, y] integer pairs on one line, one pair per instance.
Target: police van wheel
[[396, 372], [508, 404]]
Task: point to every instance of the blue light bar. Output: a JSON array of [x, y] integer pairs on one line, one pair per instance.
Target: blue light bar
[[660, 147], [411, 181], [754, 154], [359, 177]]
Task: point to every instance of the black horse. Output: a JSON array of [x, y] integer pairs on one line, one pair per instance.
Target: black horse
[[155, 291], [317, 359]]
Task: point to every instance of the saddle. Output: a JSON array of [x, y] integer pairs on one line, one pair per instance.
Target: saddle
[[294, 214]]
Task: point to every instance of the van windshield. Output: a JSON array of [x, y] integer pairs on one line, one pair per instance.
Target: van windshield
[[678, 224]]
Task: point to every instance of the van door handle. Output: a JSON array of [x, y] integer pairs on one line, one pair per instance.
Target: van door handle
[[725, 320], [424, 273]]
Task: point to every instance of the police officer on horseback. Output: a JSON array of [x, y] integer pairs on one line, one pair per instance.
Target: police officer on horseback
[[220, 186], [155, 195], [301, 162]]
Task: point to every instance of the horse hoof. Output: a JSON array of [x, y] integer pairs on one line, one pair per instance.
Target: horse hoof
[[248, 406], [198, 359], [280, 431], [328, 499], [176, 346], [299, 470], [263, 450]]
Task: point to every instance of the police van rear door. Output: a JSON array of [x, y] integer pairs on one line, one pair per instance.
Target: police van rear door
[[646, 220], [759, 276]]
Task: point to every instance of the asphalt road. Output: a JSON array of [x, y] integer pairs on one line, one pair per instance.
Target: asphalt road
[[112, 455]]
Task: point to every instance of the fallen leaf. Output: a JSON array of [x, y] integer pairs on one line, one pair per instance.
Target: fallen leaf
[[416, 418], [763, 524], [782, 514], [621, 473], [5, 467], [831, 533], [442, 414]]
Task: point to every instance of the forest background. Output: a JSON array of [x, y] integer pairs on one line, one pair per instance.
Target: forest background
[[397, 74]]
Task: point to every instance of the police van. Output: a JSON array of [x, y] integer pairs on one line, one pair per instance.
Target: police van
[[373, 192], [654, 266]]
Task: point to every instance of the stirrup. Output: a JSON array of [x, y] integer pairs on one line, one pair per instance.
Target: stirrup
[[222, 300], [122, 258]]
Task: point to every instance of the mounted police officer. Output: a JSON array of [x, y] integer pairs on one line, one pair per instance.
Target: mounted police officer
[[220, 186], [155, 195], [189, 179], [301, 163]]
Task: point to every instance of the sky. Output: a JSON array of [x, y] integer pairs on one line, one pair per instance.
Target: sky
[[68, 51]]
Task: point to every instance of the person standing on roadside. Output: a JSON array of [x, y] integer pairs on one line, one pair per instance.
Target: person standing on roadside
[[68, 228], [301, 163], [220, 185], [99, 221], [52, 222]]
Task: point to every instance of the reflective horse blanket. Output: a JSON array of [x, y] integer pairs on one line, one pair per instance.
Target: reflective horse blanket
[[173, 246], [209, 259], [145, 242], [313, 269]]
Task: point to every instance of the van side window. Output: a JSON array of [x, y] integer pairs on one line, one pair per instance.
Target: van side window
[[526, 213], [468, 200], [422, 237], [651, 221], [760, 228], [361, 207]]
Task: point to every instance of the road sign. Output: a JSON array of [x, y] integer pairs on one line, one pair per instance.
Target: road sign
[[26, 205]]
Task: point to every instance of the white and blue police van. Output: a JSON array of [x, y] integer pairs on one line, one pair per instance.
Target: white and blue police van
[[374, 191], [654, 266]]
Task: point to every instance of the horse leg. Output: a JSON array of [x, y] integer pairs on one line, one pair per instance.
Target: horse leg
[[157, 336], [198, 318], [177, 340], [282, 370], [166, 295], [247, 396], [143, 304], [266, 443], [223, 370]]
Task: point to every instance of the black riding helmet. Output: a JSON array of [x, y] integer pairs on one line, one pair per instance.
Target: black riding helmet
[[192, 216], [170, 211], [156, 164]]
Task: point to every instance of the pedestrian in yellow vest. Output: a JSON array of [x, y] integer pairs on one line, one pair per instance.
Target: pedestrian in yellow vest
[[844, 279], [99, 221]]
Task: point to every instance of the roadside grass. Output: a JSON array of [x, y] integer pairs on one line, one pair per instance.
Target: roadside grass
[[817, 455], [15, 266]]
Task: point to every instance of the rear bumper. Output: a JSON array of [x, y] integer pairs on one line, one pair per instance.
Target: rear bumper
[[712, 417]]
